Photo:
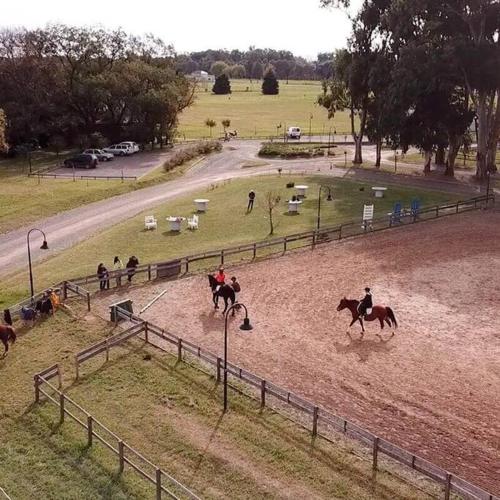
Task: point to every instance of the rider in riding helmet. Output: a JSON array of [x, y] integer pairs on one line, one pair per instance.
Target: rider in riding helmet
[[220, 277], [366, 303]]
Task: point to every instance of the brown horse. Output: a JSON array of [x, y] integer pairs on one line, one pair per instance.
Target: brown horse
[[7, 334], [381, 313]]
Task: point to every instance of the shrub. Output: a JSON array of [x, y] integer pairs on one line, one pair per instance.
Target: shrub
[[222, 85], [190, 152], [273, 149]]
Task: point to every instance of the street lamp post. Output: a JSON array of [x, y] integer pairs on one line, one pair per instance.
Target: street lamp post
[[244, 326], [310, 126], [487, 187], [328, 198], [43, 247]]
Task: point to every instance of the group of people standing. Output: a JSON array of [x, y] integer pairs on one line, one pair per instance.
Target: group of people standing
[[103, 274]]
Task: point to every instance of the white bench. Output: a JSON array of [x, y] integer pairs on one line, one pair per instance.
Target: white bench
[[368, 211], [379, 191], [150, 222]]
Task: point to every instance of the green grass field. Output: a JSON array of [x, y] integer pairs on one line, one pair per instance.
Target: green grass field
[[255, 115], [226, 223], [26, 199]]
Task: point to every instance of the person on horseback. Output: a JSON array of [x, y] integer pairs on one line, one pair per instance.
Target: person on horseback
[[366, 304], [220, 277]]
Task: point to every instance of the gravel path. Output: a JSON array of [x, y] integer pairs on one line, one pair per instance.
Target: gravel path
[[68, 228]]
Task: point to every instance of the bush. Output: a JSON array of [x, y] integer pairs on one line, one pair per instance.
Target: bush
[[274, 149], [190, 152]]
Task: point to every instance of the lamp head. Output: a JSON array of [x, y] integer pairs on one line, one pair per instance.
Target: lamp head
[[246, 324], [44, 245], [329, 197]]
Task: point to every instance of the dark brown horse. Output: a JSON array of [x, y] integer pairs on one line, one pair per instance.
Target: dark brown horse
[[382, 313], [224, 291], [7, 334]]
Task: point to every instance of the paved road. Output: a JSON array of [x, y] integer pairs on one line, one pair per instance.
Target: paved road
[[238, 159]]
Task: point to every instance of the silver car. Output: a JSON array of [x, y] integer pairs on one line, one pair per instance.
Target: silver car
[[100, 153]]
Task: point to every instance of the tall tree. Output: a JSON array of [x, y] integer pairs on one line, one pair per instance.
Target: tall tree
[[3, 126], [222, 85], [270, 84]]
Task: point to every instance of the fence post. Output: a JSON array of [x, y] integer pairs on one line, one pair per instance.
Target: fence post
[[437, 211], [158, 484], [255, 250], [262, 393], [187, 264], [457, 206], [59, 377], [37, 388], [314, 239], [149, 272], [315, 421], [77, 368], [219, 363], [121, 454], [284, 244], [88, 301], [90, 432], [61, 408], [447, 487], [340, 232], [146, 333], [107, 350], [179, 349], [375, 453], [222, 257], [65, 290]]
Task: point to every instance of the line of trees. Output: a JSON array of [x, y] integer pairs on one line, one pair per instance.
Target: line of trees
[[64, 84], [419, 74], [253, 62]]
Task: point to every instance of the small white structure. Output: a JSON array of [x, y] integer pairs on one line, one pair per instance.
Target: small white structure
[[293, 206], [193, 222], [368, 211], [150, 222], [379, 191], [175, 223], [201, 76], [301, 191], [201, 204]]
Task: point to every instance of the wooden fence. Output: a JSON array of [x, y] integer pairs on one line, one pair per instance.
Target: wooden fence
[[251, 251], [321, 422], [127, 455]]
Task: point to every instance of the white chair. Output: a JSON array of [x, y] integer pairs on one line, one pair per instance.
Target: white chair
[[150, 222], [368, 211], [193, 222]]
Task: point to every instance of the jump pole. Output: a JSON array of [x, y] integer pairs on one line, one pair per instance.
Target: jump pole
[[147, 306]]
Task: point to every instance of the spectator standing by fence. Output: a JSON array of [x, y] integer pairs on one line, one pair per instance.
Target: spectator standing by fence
[[117, 267], [103, 275], [132, 263]]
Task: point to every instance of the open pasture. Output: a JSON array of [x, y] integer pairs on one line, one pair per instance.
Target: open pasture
[[431, 388], [255, 115]]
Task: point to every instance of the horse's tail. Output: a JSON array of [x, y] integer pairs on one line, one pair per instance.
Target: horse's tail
[[392, 317], [13, 335]]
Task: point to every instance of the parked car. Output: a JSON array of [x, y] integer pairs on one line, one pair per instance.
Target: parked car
[[101, 154], [134, 147], [118, 150], [81, 161], [293, 133]]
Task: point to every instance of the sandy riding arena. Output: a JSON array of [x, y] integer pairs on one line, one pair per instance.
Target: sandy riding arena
[[434, 387]]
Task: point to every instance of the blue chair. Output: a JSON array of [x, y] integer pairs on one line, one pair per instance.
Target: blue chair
[[395, 215], [415, 208]]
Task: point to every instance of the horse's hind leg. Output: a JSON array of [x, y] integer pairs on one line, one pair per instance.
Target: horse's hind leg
[[6, 346], [388, 321], [381, 323]]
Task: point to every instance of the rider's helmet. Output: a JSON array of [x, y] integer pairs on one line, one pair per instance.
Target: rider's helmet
[[367, 289]]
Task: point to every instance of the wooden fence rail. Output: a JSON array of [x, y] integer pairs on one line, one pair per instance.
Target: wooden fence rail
[[95, 429], [321, 421], [250, 251]]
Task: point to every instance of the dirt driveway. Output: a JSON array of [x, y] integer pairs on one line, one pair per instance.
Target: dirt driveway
[[433, 388]]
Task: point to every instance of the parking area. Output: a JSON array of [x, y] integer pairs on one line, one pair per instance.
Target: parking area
[[133, 166]]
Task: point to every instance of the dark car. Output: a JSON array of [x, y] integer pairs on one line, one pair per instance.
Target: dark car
[[81, 161]]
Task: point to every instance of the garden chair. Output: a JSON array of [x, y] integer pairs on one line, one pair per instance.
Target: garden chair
[[368, 211], [150, 222], [193, 222], [395, 215]]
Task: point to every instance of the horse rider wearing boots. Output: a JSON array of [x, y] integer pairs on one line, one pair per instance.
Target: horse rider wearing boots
[[366, 304]]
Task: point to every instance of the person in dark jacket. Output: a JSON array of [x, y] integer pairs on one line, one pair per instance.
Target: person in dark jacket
[[132, 263], [103, 275], [251, 199], [366, 303]]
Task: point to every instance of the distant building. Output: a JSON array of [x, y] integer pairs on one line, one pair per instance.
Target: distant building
[[201, 76]]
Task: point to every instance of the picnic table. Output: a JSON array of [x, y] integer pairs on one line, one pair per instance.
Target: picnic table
[[379, 191], [201, 204], [293, 206], [175, 223], [301, 190]]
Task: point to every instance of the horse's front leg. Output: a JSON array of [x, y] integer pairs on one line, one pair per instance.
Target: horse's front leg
[[216, 300], [225, 306]]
